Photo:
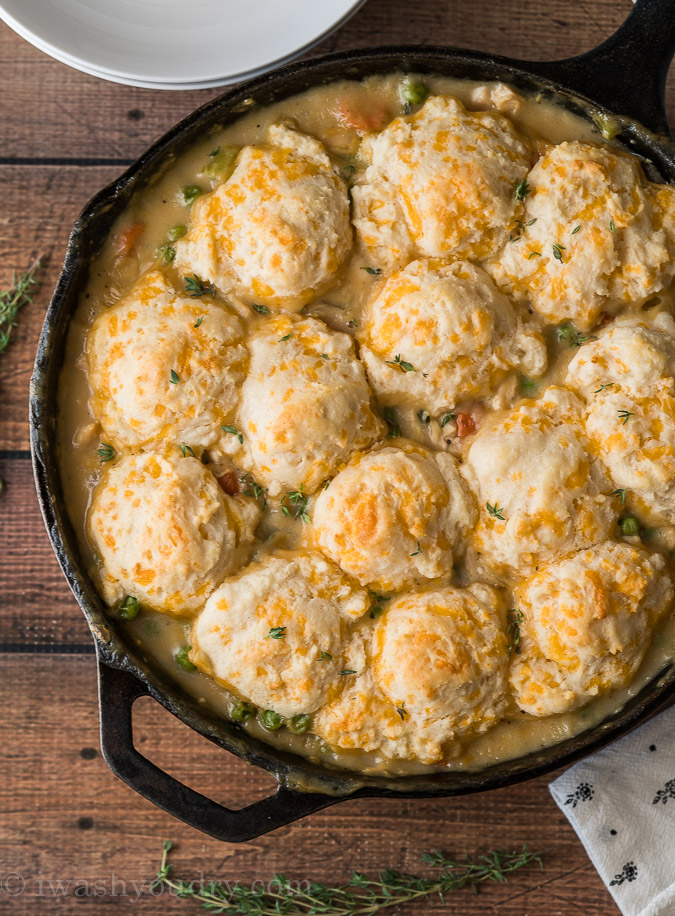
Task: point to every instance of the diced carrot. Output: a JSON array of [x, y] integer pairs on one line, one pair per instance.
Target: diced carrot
[[469, 420], [465, 425], [229, 483], [361, 115], [126, 240]]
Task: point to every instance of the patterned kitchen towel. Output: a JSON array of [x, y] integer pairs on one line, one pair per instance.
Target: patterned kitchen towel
[[621, 802]]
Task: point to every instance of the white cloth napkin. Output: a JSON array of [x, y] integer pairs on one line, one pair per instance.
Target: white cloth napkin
[[621, 802]]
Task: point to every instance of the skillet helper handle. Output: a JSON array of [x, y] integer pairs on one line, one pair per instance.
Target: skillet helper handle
[[626, 73], [117, 691]]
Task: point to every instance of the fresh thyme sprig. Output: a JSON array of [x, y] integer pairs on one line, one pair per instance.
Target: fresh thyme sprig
[[196, 287], [253, 489], [298, 501], [521, 189], [568, 334], [20, 293], [495, 510], [362, 895]]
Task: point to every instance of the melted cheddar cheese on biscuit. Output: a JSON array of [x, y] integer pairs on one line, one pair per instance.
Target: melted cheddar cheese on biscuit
[[305, 404], [595, 236], [392, 517], [431, 675], [165, 532], [586, 624], [540, 492], [164, 367], [437, 332], [275, 633], [626, 377], [439, 183], [277, 230]]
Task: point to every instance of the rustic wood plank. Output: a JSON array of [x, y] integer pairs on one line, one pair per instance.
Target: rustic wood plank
[[40, 205], [36, 606], [72, 821]]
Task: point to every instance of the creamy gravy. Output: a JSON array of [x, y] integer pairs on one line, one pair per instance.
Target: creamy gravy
[[159, 207]]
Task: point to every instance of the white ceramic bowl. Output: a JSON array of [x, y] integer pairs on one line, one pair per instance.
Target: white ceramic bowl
[[171, 44]]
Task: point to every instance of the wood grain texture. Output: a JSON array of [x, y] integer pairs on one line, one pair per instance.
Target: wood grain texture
[[36, 606], [63, 135], [73, 822]]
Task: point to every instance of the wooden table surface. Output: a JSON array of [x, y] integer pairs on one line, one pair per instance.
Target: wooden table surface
[[70, 832]]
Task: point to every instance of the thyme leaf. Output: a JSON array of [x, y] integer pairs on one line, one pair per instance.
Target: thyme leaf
[[298, 501], [401, 364], [625, 415], [621, 493], [276, 633], [106, 452], [235, 432], [495, 511], [253, 489], [196, 287], [514, 618], [390, 418], [521, 189]]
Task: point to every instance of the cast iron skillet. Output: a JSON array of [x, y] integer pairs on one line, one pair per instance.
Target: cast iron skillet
[[624, 77]]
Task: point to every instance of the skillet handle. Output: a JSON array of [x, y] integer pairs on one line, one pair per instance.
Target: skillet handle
[[117, 691], [626, 73]]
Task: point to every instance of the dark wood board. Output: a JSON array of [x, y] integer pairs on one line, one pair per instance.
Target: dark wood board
[[63, 135]]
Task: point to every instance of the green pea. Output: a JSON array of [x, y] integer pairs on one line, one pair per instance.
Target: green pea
[[299, 724], [629, 526], [413, 92], [130, 608], [221, 162], [242, 712], [271, 720], [191, 193], [182, 658], [167, 253], [177, 232]]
